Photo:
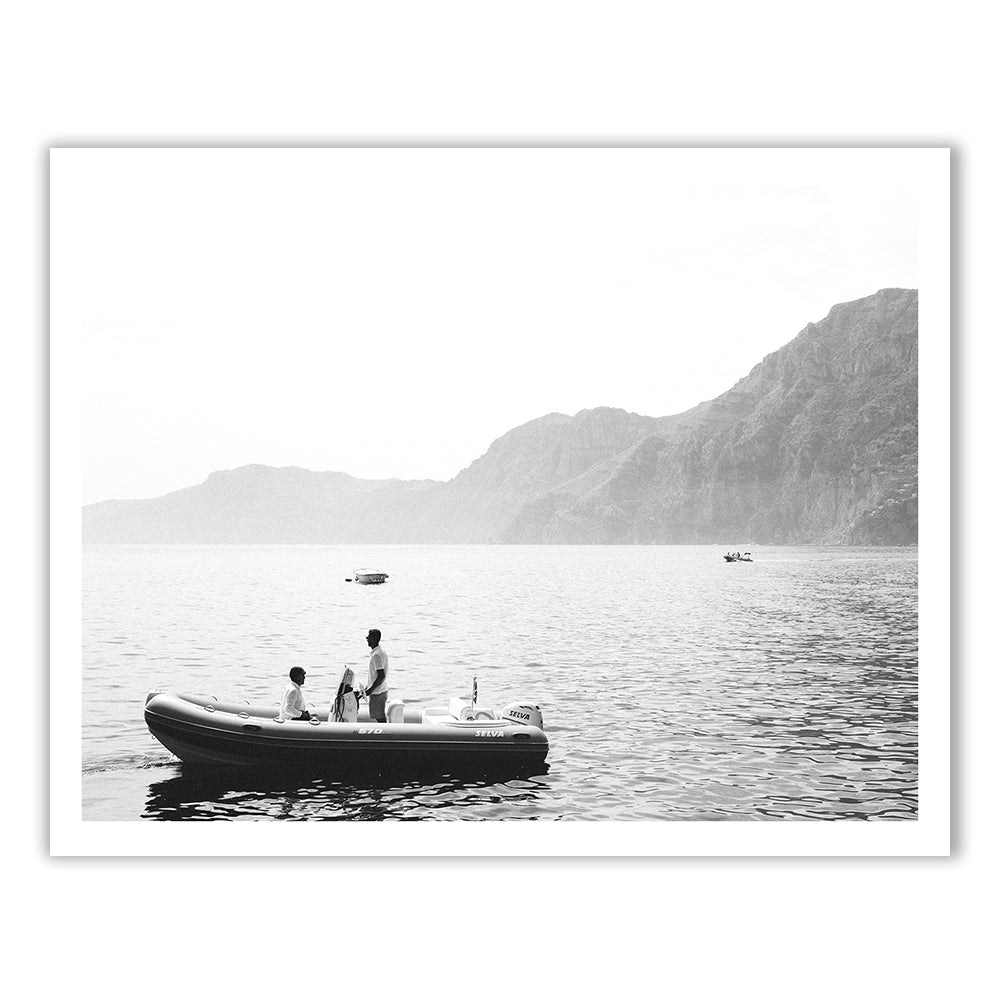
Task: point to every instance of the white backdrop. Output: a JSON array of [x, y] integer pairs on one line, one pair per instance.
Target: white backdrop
[[572, 73]]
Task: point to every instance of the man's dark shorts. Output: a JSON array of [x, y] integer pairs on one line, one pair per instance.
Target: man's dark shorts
[[376, 706]]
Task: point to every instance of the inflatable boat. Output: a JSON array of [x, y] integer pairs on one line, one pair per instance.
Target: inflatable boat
[[206, 731]]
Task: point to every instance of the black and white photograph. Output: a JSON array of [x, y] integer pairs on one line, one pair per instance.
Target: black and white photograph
[[578, 489], [499, 498]]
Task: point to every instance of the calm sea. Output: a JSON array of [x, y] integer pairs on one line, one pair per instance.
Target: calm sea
[[674, 686]]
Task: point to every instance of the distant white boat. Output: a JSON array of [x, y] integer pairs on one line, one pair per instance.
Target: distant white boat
[[370, 576]]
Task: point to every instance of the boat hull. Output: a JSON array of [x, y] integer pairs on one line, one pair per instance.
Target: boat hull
[[202, 732]]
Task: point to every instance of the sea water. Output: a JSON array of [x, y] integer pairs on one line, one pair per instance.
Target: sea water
[[674, 685]]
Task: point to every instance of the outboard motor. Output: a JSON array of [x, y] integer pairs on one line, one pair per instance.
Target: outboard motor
[[525, 715]]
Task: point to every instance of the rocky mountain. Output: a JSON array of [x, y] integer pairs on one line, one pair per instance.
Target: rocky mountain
[[261, 504], [534, 459], [818, 444], [257, 503]]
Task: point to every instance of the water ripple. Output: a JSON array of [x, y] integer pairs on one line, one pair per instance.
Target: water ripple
[[674, 686]]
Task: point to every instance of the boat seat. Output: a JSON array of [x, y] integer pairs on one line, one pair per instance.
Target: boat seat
[[349, 709], [461, 709], [394, 710]]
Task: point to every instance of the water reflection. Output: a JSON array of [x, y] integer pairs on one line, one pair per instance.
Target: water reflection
[[672, 687], [200, 794]]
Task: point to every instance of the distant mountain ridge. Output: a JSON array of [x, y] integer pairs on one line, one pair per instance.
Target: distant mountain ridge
[[817, 444]]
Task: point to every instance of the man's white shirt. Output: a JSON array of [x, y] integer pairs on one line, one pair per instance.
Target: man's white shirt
[[293, 702], [376, 662]]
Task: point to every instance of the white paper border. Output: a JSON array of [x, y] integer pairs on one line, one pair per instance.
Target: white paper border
[[928, 170]]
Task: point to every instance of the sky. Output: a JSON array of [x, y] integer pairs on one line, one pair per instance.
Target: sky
[[390, 312]]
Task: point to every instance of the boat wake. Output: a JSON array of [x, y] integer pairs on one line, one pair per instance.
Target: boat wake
[[132, 762]]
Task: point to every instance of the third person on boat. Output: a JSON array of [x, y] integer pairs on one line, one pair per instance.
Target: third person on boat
[[378, 674]]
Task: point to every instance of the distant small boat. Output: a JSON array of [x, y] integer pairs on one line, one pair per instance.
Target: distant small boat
[[745, 558], [370, 576]]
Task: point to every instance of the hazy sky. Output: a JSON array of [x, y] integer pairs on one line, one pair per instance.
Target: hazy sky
[[390, 312]]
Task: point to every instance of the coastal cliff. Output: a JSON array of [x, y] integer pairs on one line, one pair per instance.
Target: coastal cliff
[[817, 444]]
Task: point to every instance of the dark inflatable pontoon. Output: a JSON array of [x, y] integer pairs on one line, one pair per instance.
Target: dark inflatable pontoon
[[205, 731]]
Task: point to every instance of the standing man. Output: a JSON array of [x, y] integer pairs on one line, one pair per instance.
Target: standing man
[[378, 677]]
